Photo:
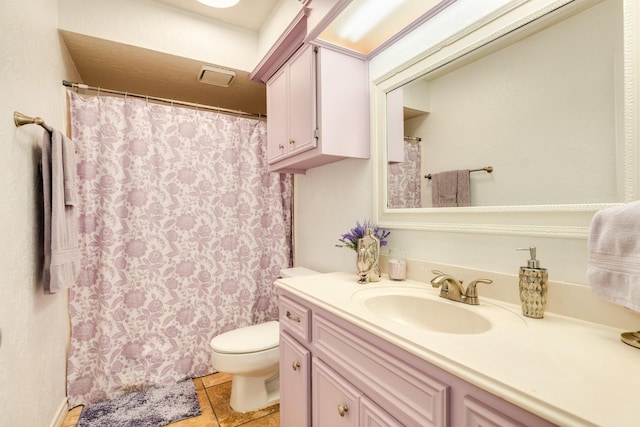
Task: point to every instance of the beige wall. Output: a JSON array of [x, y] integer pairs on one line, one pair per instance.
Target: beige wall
[[33, 327]]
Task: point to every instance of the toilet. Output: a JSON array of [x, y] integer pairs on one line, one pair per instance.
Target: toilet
[[251, 354]]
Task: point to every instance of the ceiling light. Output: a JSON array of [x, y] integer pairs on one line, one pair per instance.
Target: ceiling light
[[370, 14], [220, 4]]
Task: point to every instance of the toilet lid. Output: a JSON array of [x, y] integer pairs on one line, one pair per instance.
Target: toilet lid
[[249, 339]]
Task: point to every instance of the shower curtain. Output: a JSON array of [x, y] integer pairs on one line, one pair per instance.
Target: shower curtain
[[182, 233], [403, 179]]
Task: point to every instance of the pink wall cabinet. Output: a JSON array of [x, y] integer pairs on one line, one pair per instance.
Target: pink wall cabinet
[[318, 110]]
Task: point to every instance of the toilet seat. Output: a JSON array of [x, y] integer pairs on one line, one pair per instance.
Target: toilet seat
[[250, 339]]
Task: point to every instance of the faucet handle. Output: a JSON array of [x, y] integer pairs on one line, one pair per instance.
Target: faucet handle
[[471, 294], [438, 274]]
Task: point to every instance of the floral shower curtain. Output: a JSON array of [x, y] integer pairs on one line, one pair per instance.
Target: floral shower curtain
[[403, 179], [183, 232]]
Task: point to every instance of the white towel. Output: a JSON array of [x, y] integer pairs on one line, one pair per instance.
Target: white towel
[[614, 255]]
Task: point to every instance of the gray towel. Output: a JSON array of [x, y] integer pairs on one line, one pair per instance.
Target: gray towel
[[61, 251], [450, 189], [462, 194]]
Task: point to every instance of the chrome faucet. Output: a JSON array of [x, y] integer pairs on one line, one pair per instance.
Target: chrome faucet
[[453, 289]]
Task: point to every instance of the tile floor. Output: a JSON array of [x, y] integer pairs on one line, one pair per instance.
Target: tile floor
[[213, 393]]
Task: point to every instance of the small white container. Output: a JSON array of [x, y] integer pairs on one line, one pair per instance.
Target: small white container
[[397, 265]]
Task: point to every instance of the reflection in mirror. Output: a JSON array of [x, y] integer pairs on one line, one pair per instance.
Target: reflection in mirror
[[543, 106]]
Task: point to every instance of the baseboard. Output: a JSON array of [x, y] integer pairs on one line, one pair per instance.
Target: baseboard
[[60, 415]]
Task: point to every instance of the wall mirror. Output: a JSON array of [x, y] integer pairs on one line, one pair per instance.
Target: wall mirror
[[543, 98]]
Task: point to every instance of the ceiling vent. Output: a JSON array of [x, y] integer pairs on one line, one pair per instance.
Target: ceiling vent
[[216, 76]]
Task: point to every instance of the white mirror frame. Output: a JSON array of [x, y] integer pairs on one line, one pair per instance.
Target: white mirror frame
[[561, 221]]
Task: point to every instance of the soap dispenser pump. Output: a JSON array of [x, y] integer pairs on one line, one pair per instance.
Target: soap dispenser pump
[[533, 286]]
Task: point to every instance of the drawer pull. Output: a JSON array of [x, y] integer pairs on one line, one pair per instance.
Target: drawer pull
[[295, 365], [342, 410], [294, 318], [292, 141], [281, 147]]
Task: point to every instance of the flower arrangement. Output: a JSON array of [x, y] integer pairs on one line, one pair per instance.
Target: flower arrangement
[[350, 239]]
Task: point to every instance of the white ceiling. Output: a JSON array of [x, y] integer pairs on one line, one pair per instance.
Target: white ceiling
[[250, 14], [382, 27]]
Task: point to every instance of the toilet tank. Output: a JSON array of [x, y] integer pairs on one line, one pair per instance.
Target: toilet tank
[[296, 272]]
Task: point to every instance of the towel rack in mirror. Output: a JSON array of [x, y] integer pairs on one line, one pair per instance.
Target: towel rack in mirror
[[487, 169]]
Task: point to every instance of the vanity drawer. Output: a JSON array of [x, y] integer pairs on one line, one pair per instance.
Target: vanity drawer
[[406, 393], [295, 318]]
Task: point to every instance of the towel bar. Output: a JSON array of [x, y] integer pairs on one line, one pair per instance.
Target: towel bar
[[487, 169]]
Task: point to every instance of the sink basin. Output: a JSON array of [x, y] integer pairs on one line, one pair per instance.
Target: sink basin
[[419, 309]]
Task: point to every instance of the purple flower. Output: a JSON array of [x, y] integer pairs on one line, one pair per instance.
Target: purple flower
[[350, 239]]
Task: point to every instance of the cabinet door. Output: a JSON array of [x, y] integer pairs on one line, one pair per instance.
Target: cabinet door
[[277, 123], [295, 390], [335, 401], [371, 415], [477, 414], [302, 102], [395, 126]]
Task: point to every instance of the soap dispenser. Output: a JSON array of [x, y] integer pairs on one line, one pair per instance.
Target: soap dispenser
[[533, 286]]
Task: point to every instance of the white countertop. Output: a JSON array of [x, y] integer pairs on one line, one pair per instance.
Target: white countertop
[[568, 371]]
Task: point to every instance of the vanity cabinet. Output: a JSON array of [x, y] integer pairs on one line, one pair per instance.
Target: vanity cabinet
[[477, 414], [334, 373], [318, 109], [305, 379], [337, 403], [295, 364]]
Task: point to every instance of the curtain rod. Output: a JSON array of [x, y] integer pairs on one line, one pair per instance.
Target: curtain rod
[[164, 100]]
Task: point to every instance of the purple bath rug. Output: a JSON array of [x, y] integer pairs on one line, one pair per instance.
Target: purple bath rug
[[154, 407]]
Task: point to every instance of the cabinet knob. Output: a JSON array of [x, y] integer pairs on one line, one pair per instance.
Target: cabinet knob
[[281, 147], [291, 317], [292, 141], [295, 365], [342, 409]]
